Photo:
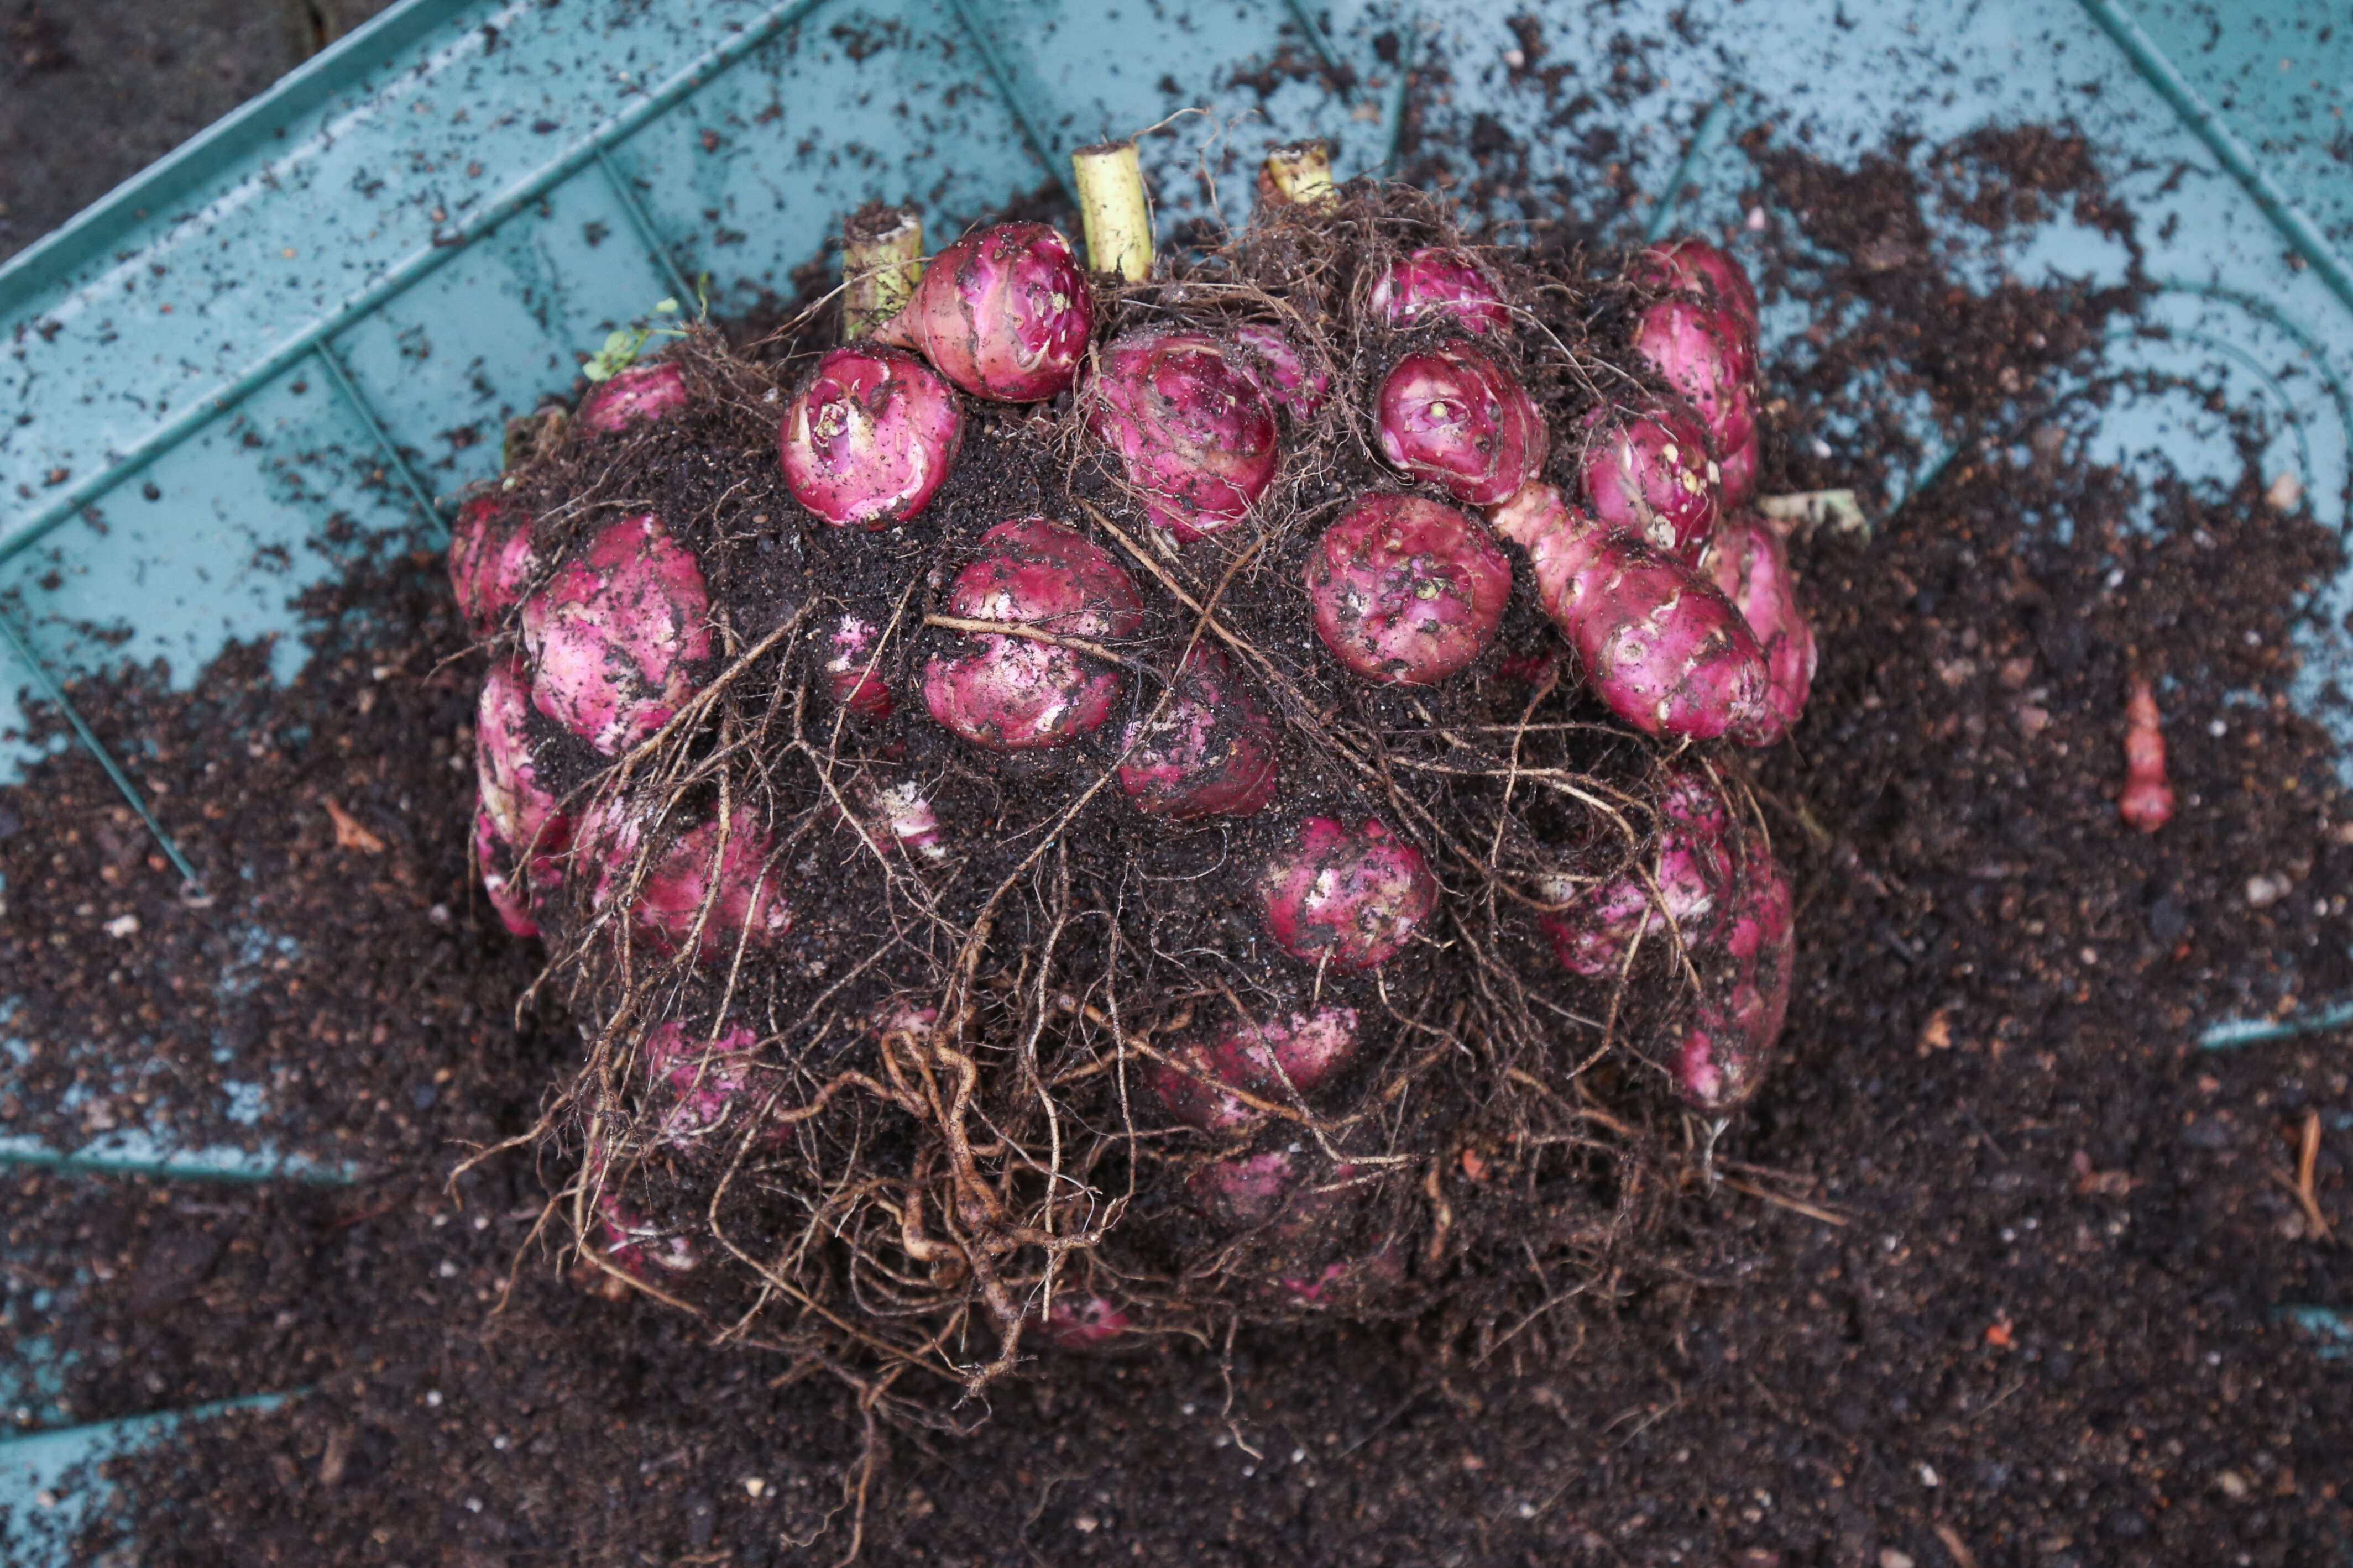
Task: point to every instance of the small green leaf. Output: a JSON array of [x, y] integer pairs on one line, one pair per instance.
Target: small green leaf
[[665, 306]]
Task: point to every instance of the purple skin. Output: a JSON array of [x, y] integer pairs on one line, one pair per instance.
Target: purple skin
[[906, 1016], [1688, 344], [490, 561], [850, 678], [1084, 1324], [1696, 267], [521, 835], [1693, 873], [1454, 415], [1438, 285], [869, 438], [1210, 753], [1747, 561], [1380, 1268], [900, 814], [1659, 645], [638, 1248], [642, 394], [1282, 374], [1405, 591], [1018, 694], [526, 815], [1269, 1061], [1735, 464], [749, 897], [1004, 313], [1192, 429], [497, 860], [614, 636], [1647, 468], [1724, 1056], [1274, 1190], [1349, 897], [701, 1083], [1244, 1191]]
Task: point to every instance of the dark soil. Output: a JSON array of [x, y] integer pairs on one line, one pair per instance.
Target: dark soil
[[1992, 1277], [93, 91]]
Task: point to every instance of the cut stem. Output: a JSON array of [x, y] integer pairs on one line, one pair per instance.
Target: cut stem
[[1299, 175], [1118, 220], [1810, 509], [881, 259]]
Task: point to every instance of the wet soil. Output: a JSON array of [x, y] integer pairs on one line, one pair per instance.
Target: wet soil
[[1996, 1276]]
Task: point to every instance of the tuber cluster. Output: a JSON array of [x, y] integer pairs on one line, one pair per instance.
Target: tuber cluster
[[1103, 802]]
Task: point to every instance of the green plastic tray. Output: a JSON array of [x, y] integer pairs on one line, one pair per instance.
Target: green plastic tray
[[325, 307]]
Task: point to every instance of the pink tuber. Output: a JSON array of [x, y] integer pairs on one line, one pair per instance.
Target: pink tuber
[[636, 1248], [1647, 468], [1004, 313], [1453, 415], [1303, 1217], [1084, 1323], [1694, 266], [1693, 874], [901, 814], [615, 633], [526, 814], [2146, 802], [869, 438], [1349, 897], [1434, 285], [1405, 591], [904, 1017], [1193, 430], [700, 1083], [502, 877], [1693, 347], [1736, 465], [642, 394], [1017, 693], [851, 679], [490, 561], [1211, 753], [1282, 374], [1723, 1055], [1270, 1060], [744, 892], [1247, 1190], [1747, 560], [1660, 646]]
